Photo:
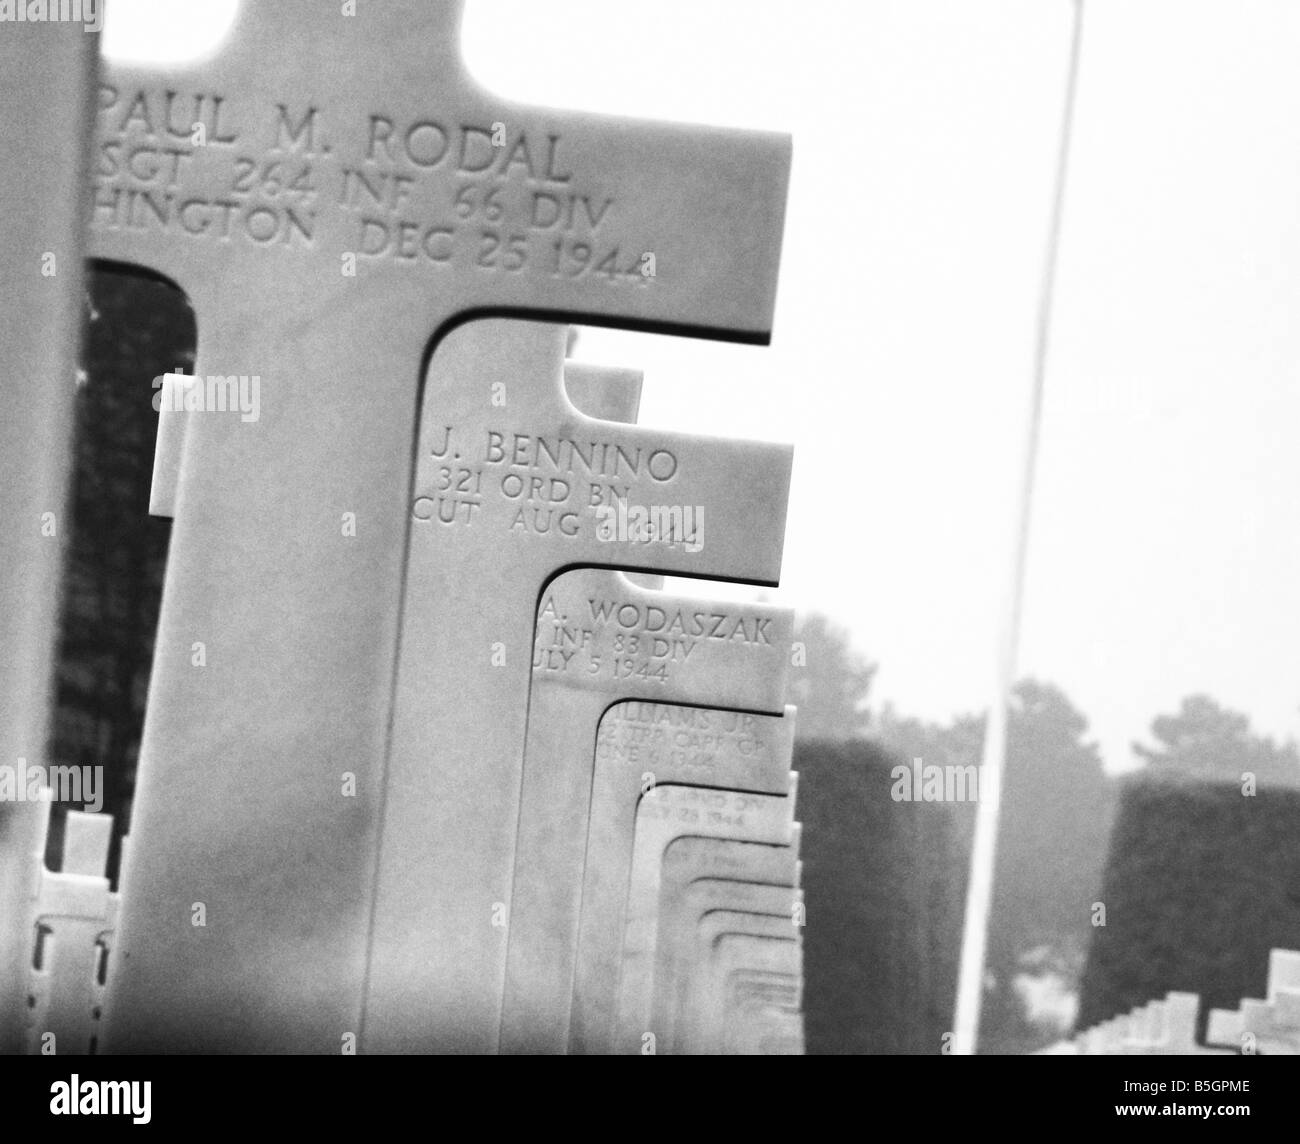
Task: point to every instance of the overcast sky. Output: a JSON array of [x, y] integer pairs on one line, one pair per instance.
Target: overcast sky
[[1165, 557]]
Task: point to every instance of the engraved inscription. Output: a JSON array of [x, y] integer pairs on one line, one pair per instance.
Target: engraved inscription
[[619, 639], [532, 484], [488, 198], [690, 742], [174, 163], [702, 807]]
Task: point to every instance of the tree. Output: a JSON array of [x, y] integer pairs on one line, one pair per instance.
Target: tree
[[1056, 813], [1200, 881], [1207, 742], [830, 681], [1200, 884], [1055, 818], [955, 745]]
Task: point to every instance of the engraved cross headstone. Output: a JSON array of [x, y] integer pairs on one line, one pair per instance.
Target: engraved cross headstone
[[1178, 1034], [1284, 995], [1224, 1027], [1143, 1027], [77, 914]]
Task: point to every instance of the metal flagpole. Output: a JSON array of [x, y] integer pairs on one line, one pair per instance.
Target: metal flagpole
[[970, 977]]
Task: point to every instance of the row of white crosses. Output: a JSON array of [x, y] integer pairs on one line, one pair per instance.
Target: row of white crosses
[[652, 874], [710, 962], [71, 915], [1270, 1026], [352, 786]]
